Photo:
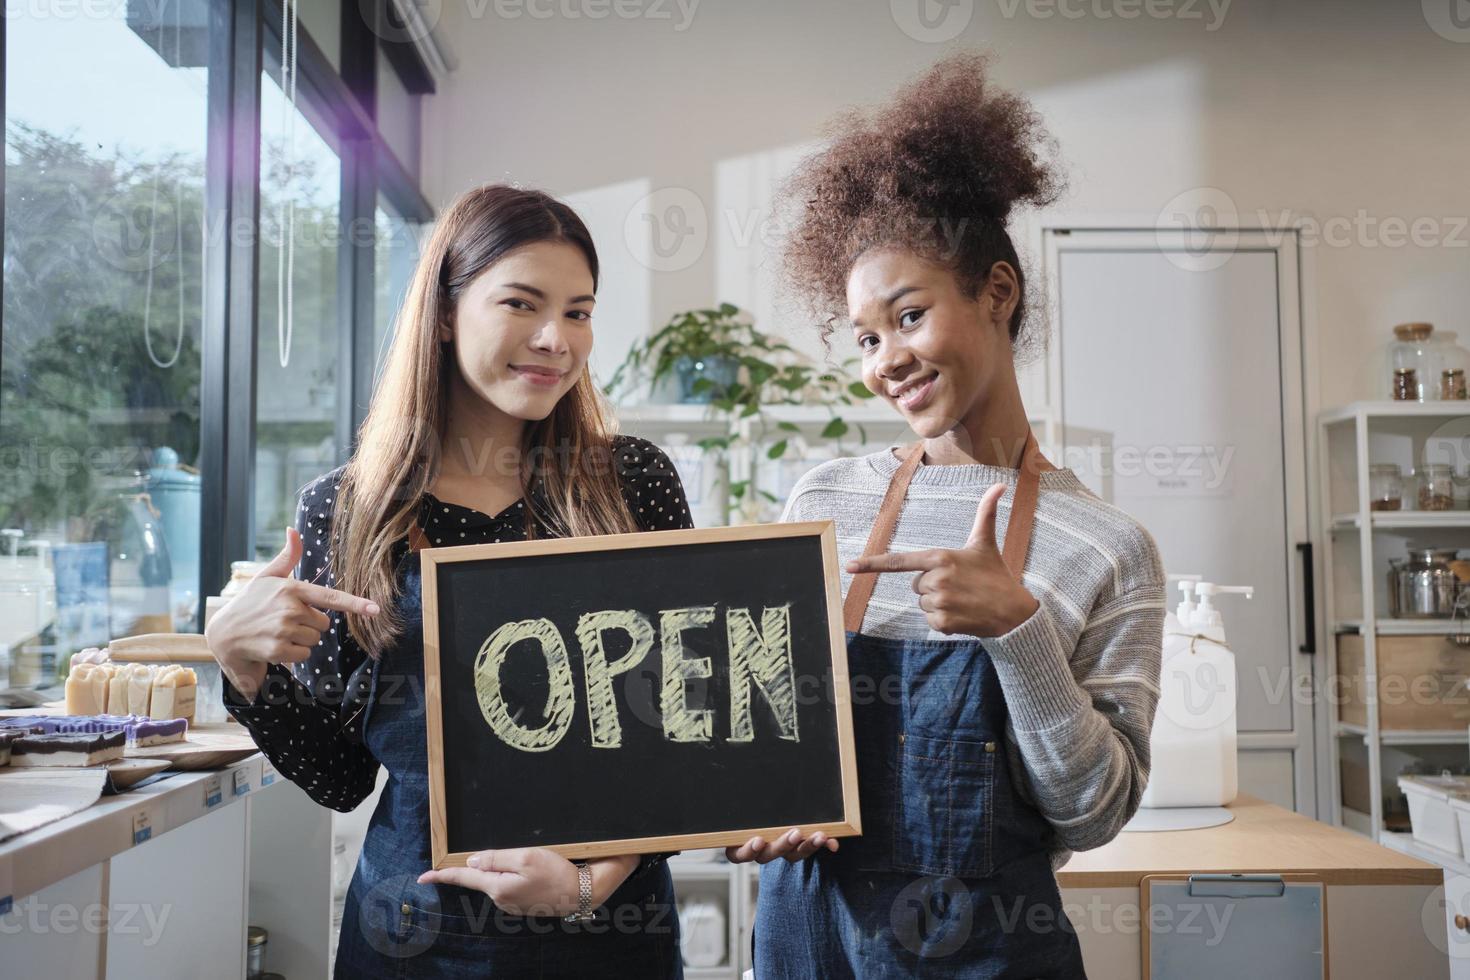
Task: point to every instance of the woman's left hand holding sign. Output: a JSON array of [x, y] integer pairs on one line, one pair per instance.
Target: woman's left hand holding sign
[[534, 880]]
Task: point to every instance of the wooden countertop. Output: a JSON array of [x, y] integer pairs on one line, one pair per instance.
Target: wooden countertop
[[1263, 837]]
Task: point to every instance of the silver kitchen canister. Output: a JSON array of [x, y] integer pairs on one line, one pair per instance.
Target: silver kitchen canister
[[1426, 586]]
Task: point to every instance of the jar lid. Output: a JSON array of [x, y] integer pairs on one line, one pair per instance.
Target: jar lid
[[256, 936], [1433, 556], [1413, 331]]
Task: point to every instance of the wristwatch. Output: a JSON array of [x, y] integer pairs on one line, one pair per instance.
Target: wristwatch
[[584, 894]]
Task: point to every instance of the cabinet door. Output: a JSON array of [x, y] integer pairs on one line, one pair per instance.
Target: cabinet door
[[1457, 923], [1176, 377]]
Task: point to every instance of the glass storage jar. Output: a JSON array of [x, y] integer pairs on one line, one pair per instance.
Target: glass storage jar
[[1413, 364], [1436, 487], [1453, 360], [1385, 487]]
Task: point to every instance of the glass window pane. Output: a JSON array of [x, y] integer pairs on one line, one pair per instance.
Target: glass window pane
[[395, 253], [299, 361], [321, 20], [398, 116], [103, 298]]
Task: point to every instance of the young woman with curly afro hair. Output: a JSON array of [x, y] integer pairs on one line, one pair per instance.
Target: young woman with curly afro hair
[[1004, 625]]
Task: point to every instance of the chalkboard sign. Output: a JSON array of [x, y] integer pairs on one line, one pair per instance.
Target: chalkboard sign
[[634, 693]]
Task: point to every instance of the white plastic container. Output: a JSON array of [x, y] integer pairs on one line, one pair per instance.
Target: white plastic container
[[702, 931], [1433, 820], [1193, 742], [703, 855]]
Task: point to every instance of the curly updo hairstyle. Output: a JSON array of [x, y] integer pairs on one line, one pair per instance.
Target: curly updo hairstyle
[[937, 169]]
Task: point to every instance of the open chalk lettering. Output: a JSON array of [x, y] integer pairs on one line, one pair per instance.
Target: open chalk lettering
[[759, 657]]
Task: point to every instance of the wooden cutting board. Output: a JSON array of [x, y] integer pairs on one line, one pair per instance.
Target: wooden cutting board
[[204, 747]]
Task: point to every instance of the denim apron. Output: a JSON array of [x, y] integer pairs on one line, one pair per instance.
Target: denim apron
[[394, 927], [952, 874]]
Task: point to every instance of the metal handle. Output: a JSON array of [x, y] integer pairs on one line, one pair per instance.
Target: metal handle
[[1309, 596]]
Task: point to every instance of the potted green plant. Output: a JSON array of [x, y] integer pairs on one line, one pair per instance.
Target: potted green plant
[[719, 358]]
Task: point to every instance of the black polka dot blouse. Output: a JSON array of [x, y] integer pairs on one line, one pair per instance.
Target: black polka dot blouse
[[306, 719]]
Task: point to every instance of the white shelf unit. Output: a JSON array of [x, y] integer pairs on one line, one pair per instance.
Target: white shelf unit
[[1357, 544], [677, 429], [732, 885]]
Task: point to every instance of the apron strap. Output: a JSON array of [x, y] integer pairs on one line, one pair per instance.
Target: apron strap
[[1023, 508], [1018, 527], [855, 604]]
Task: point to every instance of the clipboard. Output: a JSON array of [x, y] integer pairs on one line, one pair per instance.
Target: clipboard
[[1209, 926]]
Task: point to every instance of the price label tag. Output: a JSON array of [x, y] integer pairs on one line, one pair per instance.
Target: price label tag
[[213, 794], [242, 782], [267, 773], [142, 827], [6, 886]]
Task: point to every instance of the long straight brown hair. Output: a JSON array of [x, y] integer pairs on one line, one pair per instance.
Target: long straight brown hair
[[566, 458]]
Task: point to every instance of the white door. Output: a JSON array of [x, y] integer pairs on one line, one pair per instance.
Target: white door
[[1176, 380]]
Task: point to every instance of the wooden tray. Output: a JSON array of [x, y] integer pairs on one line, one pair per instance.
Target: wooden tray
[[121, 774], [205, 747]]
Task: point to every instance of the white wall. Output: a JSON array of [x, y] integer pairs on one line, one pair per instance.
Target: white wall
[[1355, 112]]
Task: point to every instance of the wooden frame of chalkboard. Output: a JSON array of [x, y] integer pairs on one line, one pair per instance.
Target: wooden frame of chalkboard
[[816, 791]]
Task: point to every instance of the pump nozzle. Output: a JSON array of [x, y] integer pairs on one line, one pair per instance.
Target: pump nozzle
[[1206, 614], [1185, 584]]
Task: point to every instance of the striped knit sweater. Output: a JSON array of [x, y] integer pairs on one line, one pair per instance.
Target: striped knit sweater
[[1081, 676]]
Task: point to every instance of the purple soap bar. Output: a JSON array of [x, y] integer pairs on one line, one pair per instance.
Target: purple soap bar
[[156, 731], [139, 729]]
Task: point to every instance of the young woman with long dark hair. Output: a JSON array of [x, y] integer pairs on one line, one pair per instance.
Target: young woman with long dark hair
[[486, 427]]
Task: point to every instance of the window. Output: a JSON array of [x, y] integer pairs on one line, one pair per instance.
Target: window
[[399, 111], [128, 336], [103, 293], [298, 362], [395, 253]]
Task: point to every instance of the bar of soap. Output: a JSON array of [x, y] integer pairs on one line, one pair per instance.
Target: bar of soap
[[8, 737], [139, 729], [140, 690], [156, 731], [86, 690], [117, 690], [108, 672], [91, 655], [68, 749], [174, 688]]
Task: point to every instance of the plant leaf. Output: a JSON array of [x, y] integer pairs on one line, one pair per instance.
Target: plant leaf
[[777, 450], [835, 429]]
